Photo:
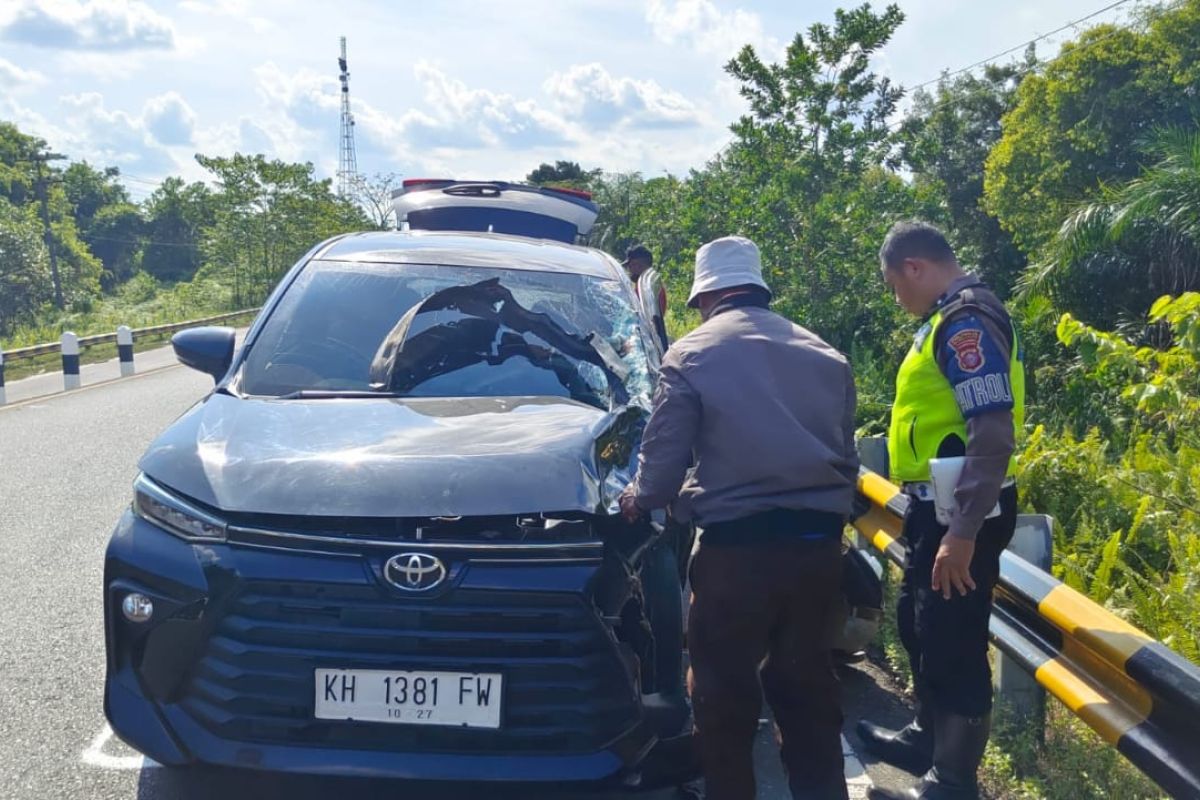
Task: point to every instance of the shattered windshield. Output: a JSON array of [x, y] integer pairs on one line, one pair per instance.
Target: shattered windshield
[[443, 331]]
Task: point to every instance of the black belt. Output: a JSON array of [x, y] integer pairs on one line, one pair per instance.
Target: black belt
[[776, 525]]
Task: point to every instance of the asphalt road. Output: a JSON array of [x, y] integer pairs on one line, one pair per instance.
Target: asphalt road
[[66, 465]]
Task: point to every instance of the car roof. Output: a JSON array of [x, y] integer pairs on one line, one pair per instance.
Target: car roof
[[462, 249]]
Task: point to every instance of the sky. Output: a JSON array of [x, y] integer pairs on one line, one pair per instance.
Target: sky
[[439, 88]]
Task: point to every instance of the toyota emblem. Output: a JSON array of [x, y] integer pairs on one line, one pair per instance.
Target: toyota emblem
[[414, 572]]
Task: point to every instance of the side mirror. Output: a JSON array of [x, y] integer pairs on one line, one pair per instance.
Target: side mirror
[[208, 349]]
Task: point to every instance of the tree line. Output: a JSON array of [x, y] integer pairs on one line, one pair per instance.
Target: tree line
[[72, 238]]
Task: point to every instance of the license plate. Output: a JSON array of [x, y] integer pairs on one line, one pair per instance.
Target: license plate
[[460, 699]]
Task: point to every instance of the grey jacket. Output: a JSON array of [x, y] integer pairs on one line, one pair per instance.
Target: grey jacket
[[765, 409]]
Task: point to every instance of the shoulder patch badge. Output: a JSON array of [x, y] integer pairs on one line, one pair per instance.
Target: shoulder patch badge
[[966, 348]]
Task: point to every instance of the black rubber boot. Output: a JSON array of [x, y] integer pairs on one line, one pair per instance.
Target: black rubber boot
[[909, 748], [958, 750]]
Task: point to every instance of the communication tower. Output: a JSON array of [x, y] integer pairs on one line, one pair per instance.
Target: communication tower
[[347, 176]]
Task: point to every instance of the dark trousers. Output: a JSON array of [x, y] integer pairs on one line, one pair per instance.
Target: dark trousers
[[947, 640], [761, 621]]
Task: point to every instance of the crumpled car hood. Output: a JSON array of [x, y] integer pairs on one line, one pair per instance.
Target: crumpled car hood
[[398, 458]]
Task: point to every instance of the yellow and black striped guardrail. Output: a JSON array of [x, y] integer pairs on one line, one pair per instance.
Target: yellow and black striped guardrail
[[1139, 695]]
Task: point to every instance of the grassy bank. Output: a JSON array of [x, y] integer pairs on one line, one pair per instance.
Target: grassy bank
[[140, 303]]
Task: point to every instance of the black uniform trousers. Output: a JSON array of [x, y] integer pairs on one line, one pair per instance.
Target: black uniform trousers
[[947, 640]]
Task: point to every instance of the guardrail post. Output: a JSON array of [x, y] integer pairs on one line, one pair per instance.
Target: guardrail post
[[125, 350], [3, 399], [1019, 691], [70, 361]]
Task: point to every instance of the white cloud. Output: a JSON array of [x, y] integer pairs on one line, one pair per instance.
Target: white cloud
[[460, 117], [237, 9], [702, 26], [298, 116], [301, 110], [106, 136], [308, 97], [232, 8], [591, 94], [122, 136], [169, 119], [586, 114], [12, 76], [97, 25]]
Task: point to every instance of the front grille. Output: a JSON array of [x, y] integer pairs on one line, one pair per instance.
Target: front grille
[[539, 528], [565, 690]]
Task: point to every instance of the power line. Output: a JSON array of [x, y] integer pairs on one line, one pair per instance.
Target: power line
[[145, 181], [87, 236], [138, 179], [1021, 46], [1026, 69]]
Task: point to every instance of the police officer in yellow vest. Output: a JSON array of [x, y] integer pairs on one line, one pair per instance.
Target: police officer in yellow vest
[[960, 392]]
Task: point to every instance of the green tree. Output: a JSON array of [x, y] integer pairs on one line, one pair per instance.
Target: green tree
[[25, 284], [79, 270], [176, 214], [268, 214], [945, 141], [617, 195], [1076, 125], [108, 223], [1113, 258], [114, 235], [803, 175], [17, 174], [821, 110], [562, 173], [89, 189]]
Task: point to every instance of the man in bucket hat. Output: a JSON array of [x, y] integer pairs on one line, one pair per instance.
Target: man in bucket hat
[[766, 410]]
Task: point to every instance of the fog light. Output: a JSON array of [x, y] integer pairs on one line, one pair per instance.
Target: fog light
[[137, 607]]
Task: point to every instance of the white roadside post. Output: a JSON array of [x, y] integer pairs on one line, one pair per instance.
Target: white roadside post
[[70, 361], [3, 399], [1033, 540], [125, 350]]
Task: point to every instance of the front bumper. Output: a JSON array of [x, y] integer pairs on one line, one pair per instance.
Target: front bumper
[[223, 673]]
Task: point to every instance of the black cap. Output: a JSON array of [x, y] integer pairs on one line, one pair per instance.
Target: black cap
[[638, 252]]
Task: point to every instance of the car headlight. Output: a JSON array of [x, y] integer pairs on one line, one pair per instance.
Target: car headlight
[[173, 514]]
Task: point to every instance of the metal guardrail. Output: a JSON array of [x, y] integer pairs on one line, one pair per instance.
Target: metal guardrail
[[107, 338], [1139, 695]]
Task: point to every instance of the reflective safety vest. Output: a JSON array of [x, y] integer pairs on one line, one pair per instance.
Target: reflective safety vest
[[926, 409]]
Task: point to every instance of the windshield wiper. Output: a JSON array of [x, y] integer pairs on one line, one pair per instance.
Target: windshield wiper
[[330, 394]]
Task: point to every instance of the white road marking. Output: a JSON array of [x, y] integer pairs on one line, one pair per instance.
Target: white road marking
[[95, 756]]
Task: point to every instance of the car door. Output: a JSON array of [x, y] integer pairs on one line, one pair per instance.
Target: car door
[[649, 285]]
